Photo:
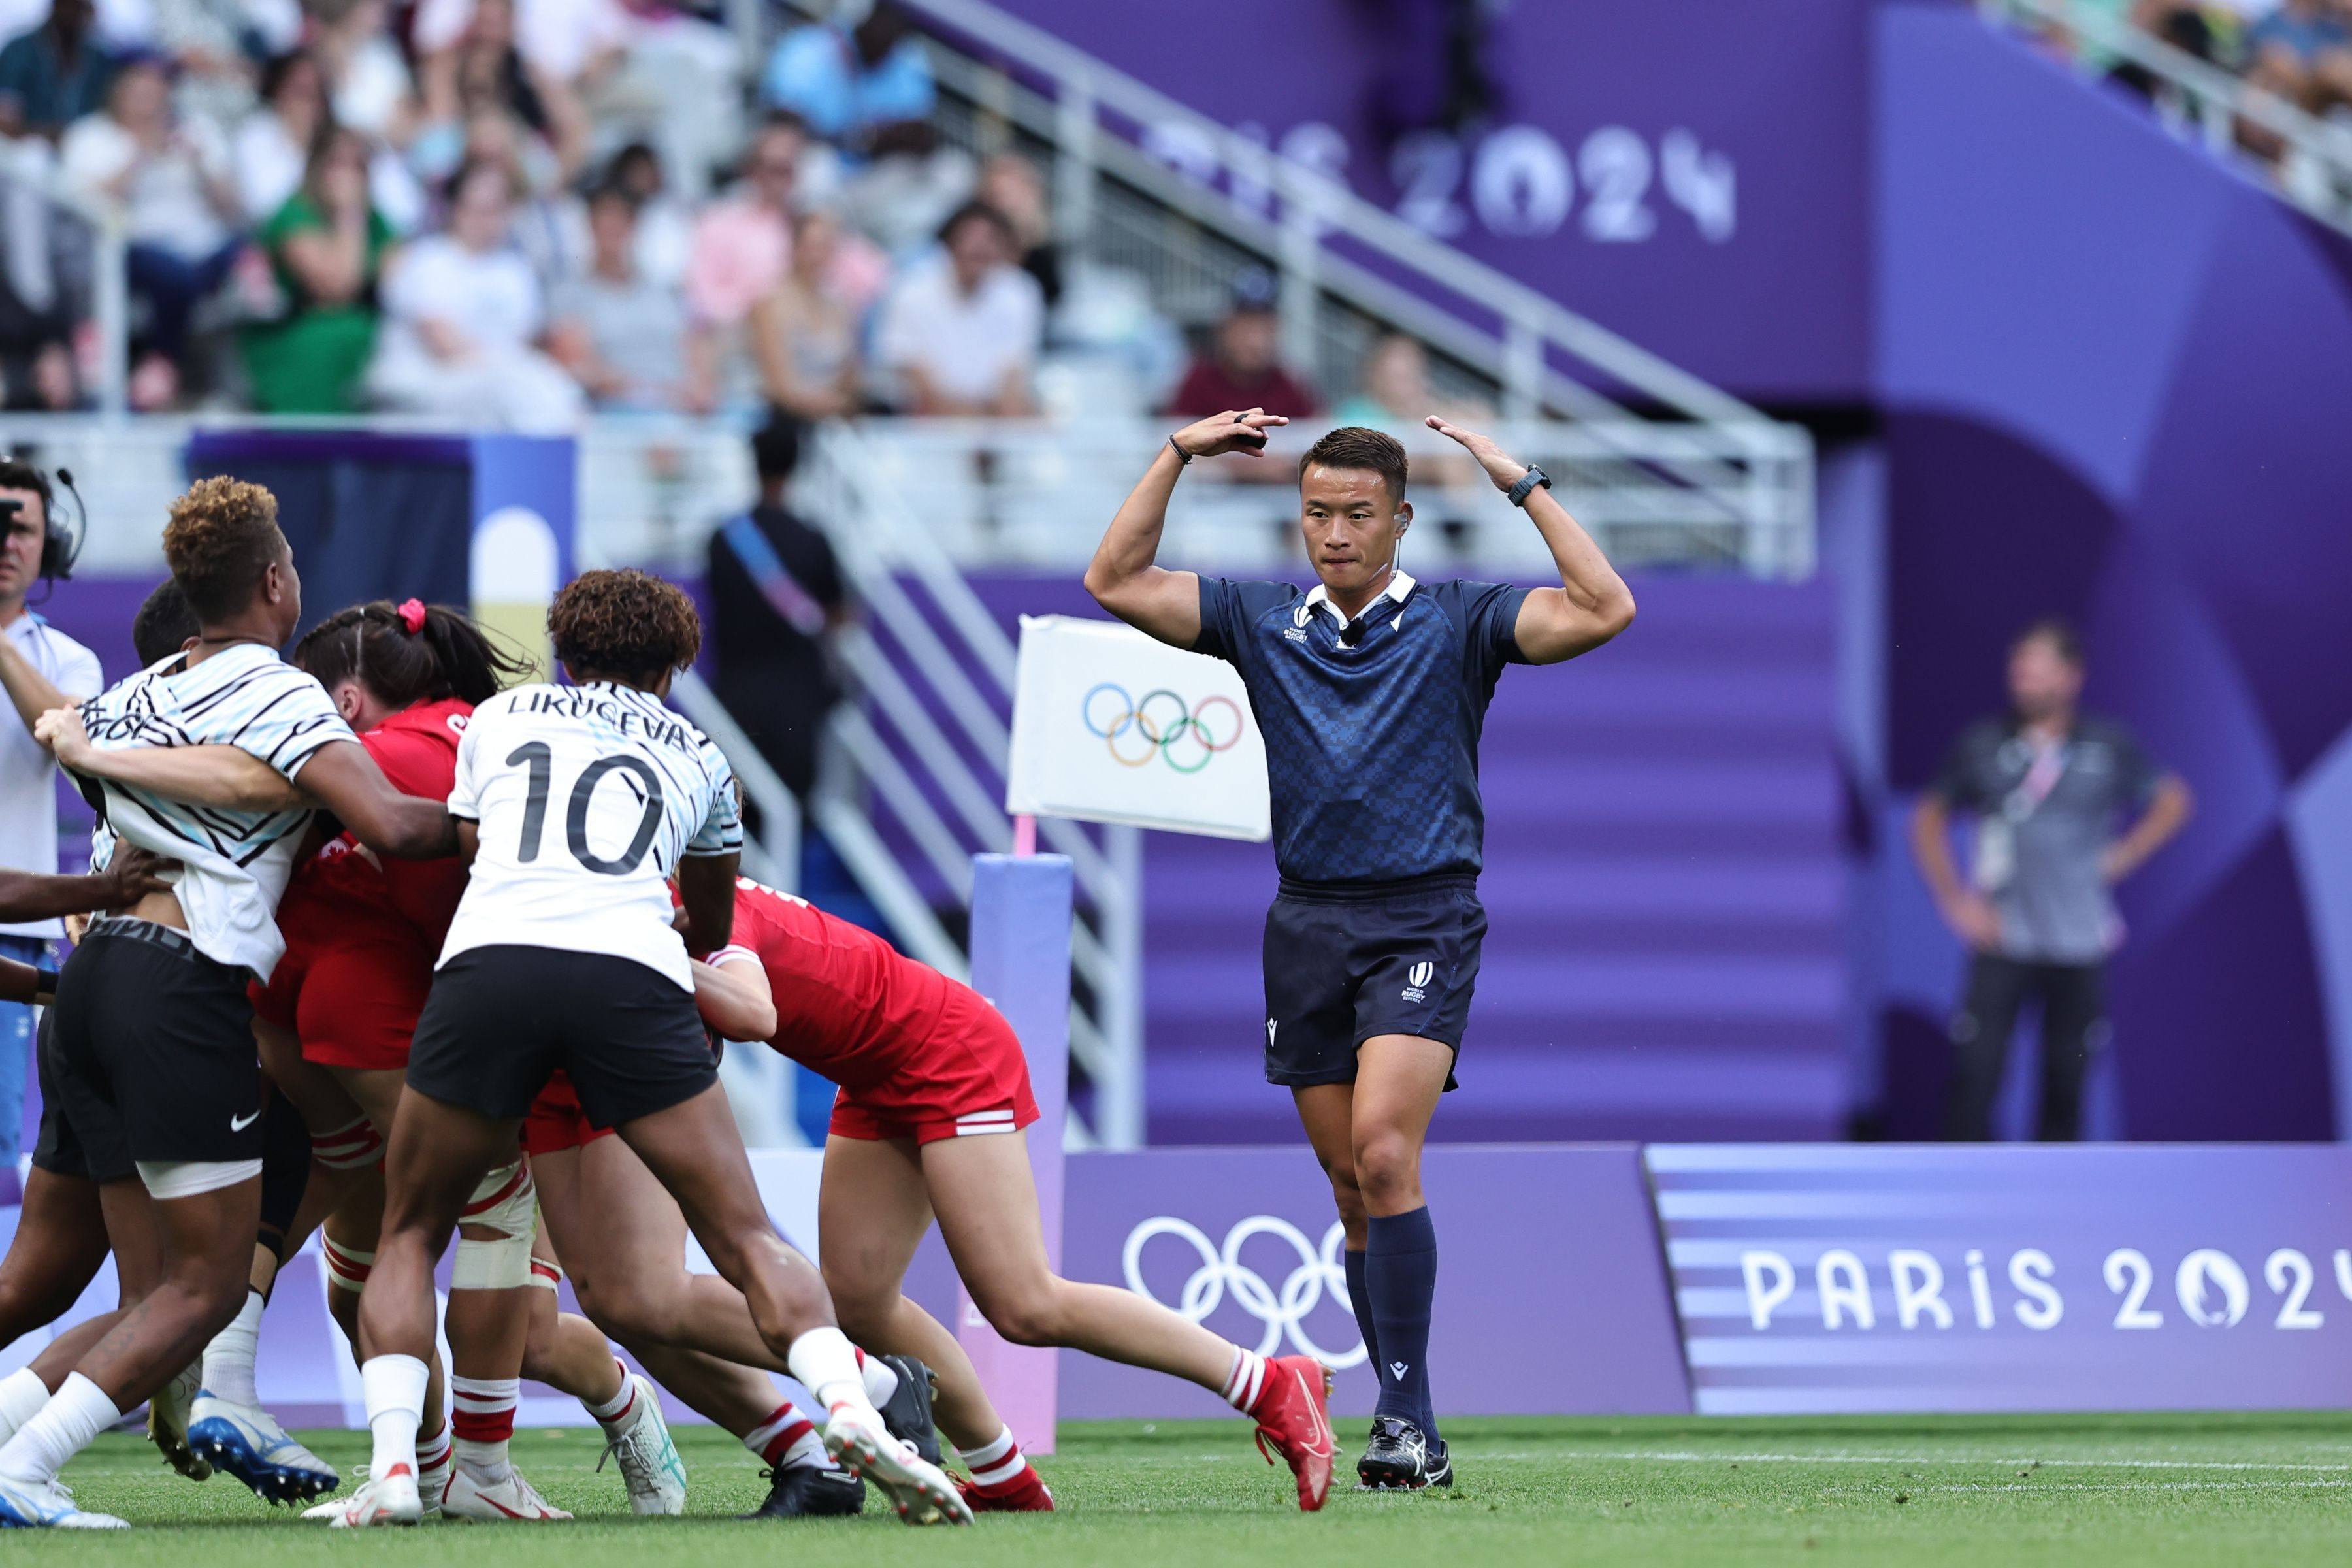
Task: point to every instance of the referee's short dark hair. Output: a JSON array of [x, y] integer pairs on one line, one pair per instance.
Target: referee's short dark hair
[[1363, 448], [2058, 632]]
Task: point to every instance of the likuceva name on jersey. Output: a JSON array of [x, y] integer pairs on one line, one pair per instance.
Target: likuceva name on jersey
[[626, 719]]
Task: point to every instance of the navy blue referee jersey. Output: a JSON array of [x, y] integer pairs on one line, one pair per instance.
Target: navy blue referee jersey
[[1371, 746]]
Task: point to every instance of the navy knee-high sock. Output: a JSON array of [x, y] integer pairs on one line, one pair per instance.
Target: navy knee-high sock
[[1360, 1296], [1400, 1278]]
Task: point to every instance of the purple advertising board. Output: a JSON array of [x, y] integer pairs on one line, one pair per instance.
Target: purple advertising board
[[1805, 1279], [1552, 1298], [1814, 1278], [1689, 174]]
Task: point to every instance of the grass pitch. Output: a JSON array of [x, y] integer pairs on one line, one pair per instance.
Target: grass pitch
[[2073, 1491]]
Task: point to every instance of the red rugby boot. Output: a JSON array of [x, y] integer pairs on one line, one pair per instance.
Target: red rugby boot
[[1024, 1493], [1294, 1420]]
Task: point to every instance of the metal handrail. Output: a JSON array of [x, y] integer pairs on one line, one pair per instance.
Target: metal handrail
[[2221, 98], [1336, 208], [1779, 477]]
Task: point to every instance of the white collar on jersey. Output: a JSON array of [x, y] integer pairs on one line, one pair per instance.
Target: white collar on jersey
[[1401, 584]]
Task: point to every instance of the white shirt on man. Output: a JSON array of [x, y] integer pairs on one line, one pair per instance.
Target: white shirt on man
[[966, 344], [29, 797]]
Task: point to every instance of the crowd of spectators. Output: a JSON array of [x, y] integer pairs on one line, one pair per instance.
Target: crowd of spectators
[[514, 213], [2300, 51]]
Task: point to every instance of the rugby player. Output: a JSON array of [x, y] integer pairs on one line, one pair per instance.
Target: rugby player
[[1370, 689], [576, 804], [934, 1094], [361, 936], [154, 1042], [341, 1007]]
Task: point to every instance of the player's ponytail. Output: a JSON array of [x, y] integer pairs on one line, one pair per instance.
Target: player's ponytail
[[407, 653]]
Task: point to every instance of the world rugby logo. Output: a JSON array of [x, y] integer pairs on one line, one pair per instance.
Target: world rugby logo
[[1222, 1272], [1184, 735], [1419, 974]]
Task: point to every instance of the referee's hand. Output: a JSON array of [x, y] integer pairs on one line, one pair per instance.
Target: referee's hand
[[1501, 466], [1236, 430]]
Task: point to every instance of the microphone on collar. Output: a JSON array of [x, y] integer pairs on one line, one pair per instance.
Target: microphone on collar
[[1354, 632]]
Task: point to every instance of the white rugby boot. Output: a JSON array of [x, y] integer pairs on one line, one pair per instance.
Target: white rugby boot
[[510, 1499], [648, 1457], [379, 1500], [47, 1505], [920, 1490]]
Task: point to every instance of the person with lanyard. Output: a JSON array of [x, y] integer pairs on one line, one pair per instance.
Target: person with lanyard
[[41, 669], [777, 602], [1370, 689], [2046, 784]]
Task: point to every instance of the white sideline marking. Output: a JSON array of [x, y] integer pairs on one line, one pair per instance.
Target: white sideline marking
[[2023, 1486], [1683, 1456]]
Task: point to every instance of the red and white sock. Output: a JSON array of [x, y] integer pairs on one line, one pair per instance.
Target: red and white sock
[[998, 1467], [482, 1417], [620, 1412], [1246, 1382], [787, 1439], [433, 1467]]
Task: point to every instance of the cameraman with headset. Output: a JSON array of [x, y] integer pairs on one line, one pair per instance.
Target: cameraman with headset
[[41, 669]]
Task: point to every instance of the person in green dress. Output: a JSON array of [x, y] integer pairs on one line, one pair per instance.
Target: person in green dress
[[327, 247]]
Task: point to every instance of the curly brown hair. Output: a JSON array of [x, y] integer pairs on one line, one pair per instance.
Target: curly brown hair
[[626, 625], [223, 535]]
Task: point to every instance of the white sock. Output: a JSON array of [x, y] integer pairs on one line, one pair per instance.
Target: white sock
[[66, 1425], [394, 1386], [229, 1360], [619, 1413], [827, 1364], [881, 1380], [481, 1418], [1245, 1382], [22, 1395]]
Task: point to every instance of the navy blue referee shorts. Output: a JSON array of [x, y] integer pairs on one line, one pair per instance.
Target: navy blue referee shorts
[[1345, 965]]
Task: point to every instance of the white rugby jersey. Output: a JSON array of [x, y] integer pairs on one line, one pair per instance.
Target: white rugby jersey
[[237, 862], [585, 798]]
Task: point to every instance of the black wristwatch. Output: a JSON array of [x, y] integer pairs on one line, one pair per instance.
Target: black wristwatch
[[1518, 493]]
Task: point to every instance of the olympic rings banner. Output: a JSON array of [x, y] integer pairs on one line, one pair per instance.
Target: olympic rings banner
[[1111, 726]]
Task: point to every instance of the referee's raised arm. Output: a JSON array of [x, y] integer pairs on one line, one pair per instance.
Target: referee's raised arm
[[1123, 577]]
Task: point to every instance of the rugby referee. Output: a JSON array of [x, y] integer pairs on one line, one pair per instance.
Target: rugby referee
[[1370, 689]]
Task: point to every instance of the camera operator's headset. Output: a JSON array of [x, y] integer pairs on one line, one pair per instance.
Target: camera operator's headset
[[60, 544]]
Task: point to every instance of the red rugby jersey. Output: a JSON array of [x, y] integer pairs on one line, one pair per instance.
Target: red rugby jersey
[[848, 1004], [418, 749]]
